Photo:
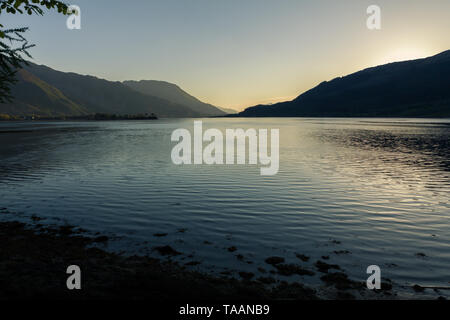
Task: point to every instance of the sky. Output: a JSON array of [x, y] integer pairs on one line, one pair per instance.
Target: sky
[[236, 53]]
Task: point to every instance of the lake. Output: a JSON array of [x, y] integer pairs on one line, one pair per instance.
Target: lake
[[359, 191]]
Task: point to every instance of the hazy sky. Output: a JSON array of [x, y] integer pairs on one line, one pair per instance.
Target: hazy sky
[[236, 53]]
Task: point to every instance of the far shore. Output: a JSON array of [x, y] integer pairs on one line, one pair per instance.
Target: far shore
[[89, 117]]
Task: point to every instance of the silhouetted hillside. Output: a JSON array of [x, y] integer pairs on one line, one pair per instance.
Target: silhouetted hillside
[[173, 93], [416, 88]]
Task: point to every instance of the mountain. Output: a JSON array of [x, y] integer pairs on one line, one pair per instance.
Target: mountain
[[415, 88], [228, 110], [43, 91], [36, 96], [173, 93]]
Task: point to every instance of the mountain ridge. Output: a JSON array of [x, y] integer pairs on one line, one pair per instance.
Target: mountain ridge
[[418, 87], [43, 91], [173, 93]]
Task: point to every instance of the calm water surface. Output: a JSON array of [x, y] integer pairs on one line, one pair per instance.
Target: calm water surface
[[362, 191]]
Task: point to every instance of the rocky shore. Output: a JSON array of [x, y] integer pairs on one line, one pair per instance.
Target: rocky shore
[[34, 258]]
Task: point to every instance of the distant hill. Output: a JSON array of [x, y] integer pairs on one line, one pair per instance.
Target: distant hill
[[228, 110], [416, 88], [46, 92], [173, 93]]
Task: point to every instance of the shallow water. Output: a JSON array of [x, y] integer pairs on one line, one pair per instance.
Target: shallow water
[[377, 188]]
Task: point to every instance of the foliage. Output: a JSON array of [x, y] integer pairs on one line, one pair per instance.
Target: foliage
[[13, 45]]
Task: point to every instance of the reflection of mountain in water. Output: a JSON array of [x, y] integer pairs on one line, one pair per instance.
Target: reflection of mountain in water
[[379, 188]]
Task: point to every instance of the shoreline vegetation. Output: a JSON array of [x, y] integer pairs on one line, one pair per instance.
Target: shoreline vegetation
[[34, 258], [89, 117]]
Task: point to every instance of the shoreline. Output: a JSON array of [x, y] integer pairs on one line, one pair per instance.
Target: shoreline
[[34, 258], [87, 117]]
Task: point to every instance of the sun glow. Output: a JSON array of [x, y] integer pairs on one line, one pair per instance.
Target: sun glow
[[403, 54]]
